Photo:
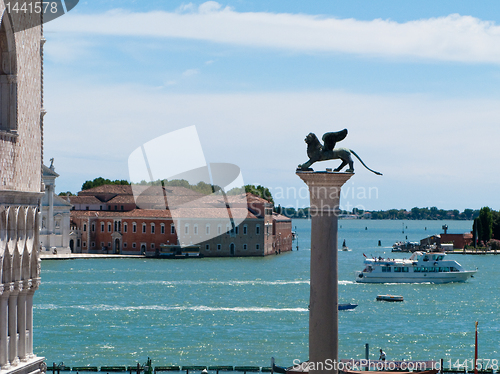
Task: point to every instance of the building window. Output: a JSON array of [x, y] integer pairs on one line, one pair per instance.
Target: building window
[[100, 207], [257, 246], [207, 247], [109, 226], [237, 230], [78, 242], [84, 244], [116, 226], [125, 227], [84, 227], [93, 244], [245, 229], [228, 229], [134, 227], [109, 244], [88, 208], [133, 245], [186, 229], [207, 230], [102, 226], [93, 227], [219, 247], [125, 245], [122, 208], [152, 228], [257, 230], [195, 229], [244, 247], [143, 228], [162, 228], [219, 229], [116, 207], [172, 228], [152, 245]]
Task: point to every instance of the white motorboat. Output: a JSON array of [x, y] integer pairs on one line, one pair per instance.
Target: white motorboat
[[419, 268]]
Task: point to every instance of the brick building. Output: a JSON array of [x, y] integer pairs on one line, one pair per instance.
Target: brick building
[[107, 219], [21, 124]]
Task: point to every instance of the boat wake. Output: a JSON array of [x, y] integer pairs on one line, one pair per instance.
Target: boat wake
[[199, 308]]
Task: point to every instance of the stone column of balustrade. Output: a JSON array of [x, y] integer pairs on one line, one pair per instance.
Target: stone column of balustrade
[[13, 358], [324, 192], [21, 321], [35, 283], [4, 323]]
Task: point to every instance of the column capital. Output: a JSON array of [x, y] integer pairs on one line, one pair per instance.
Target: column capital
[[324, 190], [35, 283]]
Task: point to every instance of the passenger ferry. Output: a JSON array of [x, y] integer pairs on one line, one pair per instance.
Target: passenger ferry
[[421, 267]]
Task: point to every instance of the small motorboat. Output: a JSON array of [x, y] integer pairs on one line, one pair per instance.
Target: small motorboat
[[347, 306], [389, 298]]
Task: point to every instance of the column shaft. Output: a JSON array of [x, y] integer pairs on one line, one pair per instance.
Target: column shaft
[[324, 191], [29, 322], [14, 360], [21, 322], [4, 331]]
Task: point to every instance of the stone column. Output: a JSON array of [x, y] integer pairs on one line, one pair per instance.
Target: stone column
[[13, 359], [324, 192], [29, 316], [4, 323], [21, 321], [50, 214]]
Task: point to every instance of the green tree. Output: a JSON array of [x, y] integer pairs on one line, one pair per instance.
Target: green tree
[[67, 193], [486, 219], [100, 181], [260, 191]]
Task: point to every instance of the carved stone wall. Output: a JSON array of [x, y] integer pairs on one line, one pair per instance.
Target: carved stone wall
[[20, 191]]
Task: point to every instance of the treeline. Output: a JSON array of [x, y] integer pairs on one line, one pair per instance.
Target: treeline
[[486, 227], [200, 187], [402, 214], [432, 213]]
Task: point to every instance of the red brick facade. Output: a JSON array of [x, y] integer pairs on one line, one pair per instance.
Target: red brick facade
[[106, 227]]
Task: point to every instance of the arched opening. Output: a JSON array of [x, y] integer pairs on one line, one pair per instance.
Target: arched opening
[[8, 73], [117, 246], [12, 229], [143, 249], [231, 249], [72, 246]]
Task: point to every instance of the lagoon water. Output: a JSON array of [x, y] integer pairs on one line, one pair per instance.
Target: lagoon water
[[242, 311]]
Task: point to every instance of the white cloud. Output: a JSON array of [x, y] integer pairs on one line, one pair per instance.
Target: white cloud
[[191, 72], [450, 38]]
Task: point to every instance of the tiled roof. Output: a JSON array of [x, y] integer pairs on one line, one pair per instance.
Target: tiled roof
[[280, 217], [84, 200], [122, 199], [256, 199], [108, 189]]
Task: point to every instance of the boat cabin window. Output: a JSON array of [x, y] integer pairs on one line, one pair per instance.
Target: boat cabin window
[[426, 258], [439, 258], [386, 269], [401, 269]]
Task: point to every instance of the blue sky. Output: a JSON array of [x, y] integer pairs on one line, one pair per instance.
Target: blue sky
[[415, 83]]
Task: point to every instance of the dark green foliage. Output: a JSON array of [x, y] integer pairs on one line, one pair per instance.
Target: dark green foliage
[[260, 191], [486, 220], [101, 182], [67, 193]]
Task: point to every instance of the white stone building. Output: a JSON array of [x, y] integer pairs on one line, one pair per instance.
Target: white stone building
[[21, 124], [54, 233]]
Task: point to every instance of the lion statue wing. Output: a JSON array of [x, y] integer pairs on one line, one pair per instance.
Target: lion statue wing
[[331, 138]]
